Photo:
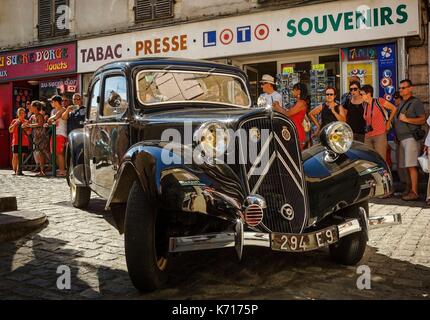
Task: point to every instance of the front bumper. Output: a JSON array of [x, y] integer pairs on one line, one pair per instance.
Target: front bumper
[[241, 238]]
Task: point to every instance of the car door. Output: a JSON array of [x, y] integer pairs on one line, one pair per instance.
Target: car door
[[111, 130], [89, 129]]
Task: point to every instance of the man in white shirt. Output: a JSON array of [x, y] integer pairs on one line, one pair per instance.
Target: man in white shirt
[[271, 96]]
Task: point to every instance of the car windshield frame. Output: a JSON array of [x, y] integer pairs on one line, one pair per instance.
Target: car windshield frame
[[197, 74]]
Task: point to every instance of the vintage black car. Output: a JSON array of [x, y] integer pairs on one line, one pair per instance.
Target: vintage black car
[[187, 162]]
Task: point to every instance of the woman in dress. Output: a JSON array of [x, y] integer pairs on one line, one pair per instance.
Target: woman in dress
[[297, 112], [354, 109], [40, 136]]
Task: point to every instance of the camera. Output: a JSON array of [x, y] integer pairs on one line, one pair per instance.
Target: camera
[[368, 128]]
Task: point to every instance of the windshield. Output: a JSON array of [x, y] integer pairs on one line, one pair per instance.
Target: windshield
[[161, 87]]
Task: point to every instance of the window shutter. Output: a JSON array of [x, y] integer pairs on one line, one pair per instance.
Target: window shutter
[[143, 10], [146, 10], [57, 31], [45, 19], [163, 9]]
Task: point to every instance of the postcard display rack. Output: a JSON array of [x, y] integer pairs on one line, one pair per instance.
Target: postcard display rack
[[285, 83]]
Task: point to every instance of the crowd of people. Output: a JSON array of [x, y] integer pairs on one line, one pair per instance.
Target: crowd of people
[[35, 121], [370, 119]]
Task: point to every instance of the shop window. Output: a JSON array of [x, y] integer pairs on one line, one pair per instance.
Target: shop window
[[147, 10], [95, 99], [115, 96], [52, 23]]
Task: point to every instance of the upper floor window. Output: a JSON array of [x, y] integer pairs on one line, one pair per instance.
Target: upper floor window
[[147, 10], [53, 17]]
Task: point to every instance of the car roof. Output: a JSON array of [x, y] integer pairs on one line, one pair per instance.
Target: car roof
[[177, 62]]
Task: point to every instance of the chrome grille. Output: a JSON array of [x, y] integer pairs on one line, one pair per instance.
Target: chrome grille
[[281, 184]]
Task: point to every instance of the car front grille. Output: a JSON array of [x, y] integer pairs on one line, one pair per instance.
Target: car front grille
[[281, 182]]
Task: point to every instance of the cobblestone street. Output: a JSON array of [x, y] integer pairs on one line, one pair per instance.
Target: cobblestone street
[[88, 243]]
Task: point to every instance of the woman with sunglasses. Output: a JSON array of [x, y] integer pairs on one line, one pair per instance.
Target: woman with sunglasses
[[354, 109], [330, 110]]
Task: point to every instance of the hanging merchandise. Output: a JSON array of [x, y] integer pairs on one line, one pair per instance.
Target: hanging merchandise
[[286, 80]]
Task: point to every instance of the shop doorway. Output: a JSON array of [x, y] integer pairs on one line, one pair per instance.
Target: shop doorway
[[255, 72]]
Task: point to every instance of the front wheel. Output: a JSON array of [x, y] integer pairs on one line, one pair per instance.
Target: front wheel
[[350, 250], [79, 195], [146, 241]]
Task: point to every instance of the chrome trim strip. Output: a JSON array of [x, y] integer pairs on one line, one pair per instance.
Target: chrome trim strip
[[385, 220], [258, 159], [264, 173], [288, 155], [291, 174]]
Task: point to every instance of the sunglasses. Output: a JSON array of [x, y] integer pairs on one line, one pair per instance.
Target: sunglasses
[[329, 94], [403, 88], [353, 89]]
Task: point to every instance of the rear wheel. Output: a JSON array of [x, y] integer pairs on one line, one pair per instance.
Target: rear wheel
[[350, 250], [79, 195], [146, 242]]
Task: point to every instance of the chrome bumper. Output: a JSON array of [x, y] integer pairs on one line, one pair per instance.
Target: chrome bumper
[[233, 239]]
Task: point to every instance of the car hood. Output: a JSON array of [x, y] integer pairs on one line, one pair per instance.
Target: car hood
[[197, 115]]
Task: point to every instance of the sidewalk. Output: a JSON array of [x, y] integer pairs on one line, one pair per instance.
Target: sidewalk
[[15, 224]]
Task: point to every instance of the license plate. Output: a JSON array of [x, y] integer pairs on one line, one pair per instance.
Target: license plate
[[304, 242]]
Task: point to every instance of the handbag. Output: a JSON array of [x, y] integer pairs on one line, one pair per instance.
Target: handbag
[[423, 161]]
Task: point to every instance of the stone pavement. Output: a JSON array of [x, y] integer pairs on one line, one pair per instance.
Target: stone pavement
[[88, 244]]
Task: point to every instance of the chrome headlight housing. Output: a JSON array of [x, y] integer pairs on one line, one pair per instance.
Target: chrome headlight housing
[[213, 139], [337, 137]]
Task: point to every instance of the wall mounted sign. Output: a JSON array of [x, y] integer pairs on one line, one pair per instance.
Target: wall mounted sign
[[38, 62], [330, 23]]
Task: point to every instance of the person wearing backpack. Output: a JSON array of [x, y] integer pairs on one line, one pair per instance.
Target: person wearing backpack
[[409, 119], [378, 122]]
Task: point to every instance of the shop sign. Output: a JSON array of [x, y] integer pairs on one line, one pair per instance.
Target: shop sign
[[318, 67], [331, 23], [38, 62], [287, 70], [63, 85]]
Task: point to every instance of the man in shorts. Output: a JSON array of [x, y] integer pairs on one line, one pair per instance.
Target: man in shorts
[[410, 115]]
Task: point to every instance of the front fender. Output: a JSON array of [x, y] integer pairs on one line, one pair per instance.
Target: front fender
[[356, 176], [75, 154], [177, 186]]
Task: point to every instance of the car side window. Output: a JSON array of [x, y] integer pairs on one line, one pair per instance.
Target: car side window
[[115, 96], [95, 94]]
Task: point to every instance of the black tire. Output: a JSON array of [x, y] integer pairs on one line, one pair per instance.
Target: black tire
[[79, 196], [146, 243], [350, 250]]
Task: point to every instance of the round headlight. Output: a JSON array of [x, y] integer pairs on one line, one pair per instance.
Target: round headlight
[[337, 136], [213, 139]]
